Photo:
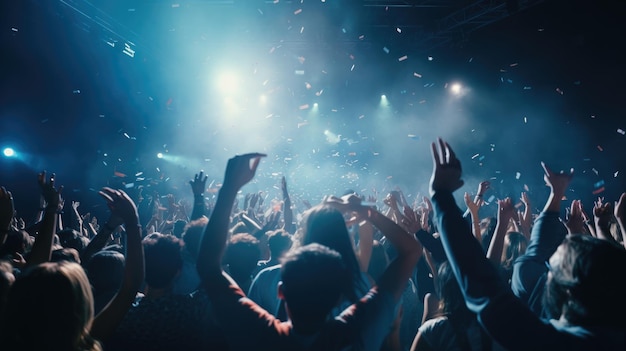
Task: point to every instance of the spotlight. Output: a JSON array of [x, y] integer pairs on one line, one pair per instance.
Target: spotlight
[[228, 82], [455, 88], [8, 152], [160, 155]]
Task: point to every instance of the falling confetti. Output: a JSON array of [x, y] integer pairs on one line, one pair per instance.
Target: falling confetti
[[403, 58]]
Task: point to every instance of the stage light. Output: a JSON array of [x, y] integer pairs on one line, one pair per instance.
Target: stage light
[[228, 82], [8, 152], [455, 88], [160, 155], [315, 105]]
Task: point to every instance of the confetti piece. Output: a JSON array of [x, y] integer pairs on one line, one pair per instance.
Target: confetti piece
[[430, 58], [119, 174], [403, 58], [513, 64], [175, 5], [621, 131], [481, 158], [129, 185], [473, 157], [598, 191], [413, 136], [14, 29], [299, 72], [77, 91], [525, 120], [518, 175], [386, 50], [615, 174], [491, 198], [298, 11], [600, 148], [527, 88], [558, 90], [352, 68], [415, 74], [304, 107], [599, 184], [352, 154], [595, 171], [526, 187]]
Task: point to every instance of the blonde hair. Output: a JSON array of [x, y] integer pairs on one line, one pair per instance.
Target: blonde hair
[[51, 304]]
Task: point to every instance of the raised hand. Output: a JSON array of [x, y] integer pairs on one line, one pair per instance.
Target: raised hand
[[241, 169], [506, 211], [575, 219], [198, 184], [121, 205], [447, 171], [7, 210], [50, 194], [472, 205], [411, 220], [558, 182], [483, 187], [347, 203], [619, 210]]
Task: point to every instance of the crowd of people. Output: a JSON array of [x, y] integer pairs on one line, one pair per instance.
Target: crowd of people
[[349, 273]]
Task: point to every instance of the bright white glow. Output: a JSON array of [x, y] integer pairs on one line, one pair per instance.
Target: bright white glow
[[263, 99], [8, 152], [160, 155], [315, 105], [228, 82], [455, 88], [383, 97]]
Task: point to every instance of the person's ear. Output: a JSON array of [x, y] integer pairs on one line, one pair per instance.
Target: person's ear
[[281, 295]]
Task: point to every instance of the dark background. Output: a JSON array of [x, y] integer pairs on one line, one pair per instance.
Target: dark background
[[558, 63]]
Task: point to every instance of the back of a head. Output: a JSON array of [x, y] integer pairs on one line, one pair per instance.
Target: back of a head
[[451, 300], [105, 270], [70, 238], [515, 245], [193, 235], [279, 242], [585, 282], [325, 225], [313, 279], [49, 304], [242, 253], [163, 260], [379, 260]]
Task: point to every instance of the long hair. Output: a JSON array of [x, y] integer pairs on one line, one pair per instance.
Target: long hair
[[50, 306], [584, 282], [326, 226]]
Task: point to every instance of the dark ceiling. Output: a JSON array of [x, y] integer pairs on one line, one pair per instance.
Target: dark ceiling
[[80, 78]]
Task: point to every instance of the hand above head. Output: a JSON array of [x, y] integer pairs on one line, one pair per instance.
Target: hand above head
[[7, 210], [603, 212], [558, 182], [506, 210], [619, 210], [447, 171], [483, 187], [240, 170], [347, 203], [472, 205], [50, 194], [575, 218], [198, 184], [121, 206], [411, 220]]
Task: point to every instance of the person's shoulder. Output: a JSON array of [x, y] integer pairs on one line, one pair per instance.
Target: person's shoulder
[[434, 323]]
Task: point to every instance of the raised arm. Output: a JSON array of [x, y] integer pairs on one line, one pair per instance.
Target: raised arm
[[42, 248], [473, 207], [547, 234], [290, 226], [506, 210], [620, 216], [103, 236], [409, 250], [602, 214], [109, 318], [239, 171], [7, 211], [198, 185]]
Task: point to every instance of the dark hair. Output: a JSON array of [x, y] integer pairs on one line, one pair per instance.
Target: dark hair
[[279, 241], [193, 235], [70, 238], [49, 304], [326, 226], [379, 260], [584, 282], [451, 300], [163, 259], [242, 254], [313, 279]]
